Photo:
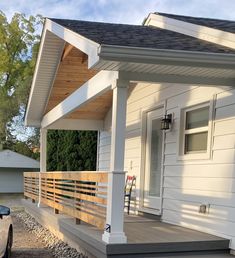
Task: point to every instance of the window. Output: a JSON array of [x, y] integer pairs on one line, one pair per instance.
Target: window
[[195, 131]]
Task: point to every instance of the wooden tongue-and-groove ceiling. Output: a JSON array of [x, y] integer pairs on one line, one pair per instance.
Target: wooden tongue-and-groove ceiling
[[71, 75]]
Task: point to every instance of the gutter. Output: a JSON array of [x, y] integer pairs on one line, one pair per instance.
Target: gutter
[[165, 57]]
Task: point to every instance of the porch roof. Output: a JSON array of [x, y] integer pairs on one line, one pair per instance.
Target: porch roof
[[139, 36], [73, 52]]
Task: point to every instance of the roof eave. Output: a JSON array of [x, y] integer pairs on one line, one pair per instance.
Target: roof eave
[[85, 45], [209, 34], [29, 103], [166, 56]]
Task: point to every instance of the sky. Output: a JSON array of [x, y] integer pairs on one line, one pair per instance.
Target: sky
[[118, 11]]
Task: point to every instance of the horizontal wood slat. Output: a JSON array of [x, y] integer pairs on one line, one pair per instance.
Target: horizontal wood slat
[[31, 185], [82, 195]]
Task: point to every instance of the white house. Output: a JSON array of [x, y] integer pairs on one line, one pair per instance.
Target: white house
[[12, 166], [123, 80]]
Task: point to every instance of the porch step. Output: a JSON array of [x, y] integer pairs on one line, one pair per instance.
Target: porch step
[[181, 255], [177, 249]]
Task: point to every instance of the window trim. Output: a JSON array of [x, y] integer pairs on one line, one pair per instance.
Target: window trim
[[181, 139]]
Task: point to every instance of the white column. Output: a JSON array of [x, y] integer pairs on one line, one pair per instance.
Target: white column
[[116, 180], [43, 158]]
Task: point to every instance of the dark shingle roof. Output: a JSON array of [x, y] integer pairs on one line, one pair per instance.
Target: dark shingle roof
[[224, 25], [139, 36]]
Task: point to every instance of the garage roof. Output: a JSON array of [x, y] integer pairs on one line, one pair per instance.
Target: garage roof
[[11, 159]]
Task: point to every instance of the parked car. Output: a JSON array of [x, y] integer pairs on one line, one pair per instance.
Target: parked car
[[6, 232]]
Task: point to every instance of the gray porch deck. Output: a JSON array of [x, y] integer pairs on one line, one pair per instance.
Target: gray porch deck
[[146, 237]]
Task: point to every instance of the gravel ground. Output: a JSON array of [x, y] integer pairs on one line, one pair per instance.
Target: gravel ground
[[27, 244], [31, 240]]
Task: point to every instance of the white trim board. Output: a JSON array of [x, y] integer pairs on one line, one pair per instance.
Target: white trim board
[[212, 35], [54, 37], [45, 70], [93, 88], [78, 124], [86, 45], [176, 79]]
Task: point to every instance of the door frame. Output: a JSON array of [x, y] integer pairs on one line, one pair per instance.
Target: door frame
[[143, 158]]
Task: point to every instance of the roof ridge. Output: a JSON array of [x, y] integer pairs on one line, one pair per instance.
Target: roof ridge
[[194, 17], [15, 152], [98, 22]]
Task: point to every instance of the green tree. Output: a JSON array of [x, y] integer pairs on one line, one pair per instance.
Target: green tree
[[18, 49], [71, 150]]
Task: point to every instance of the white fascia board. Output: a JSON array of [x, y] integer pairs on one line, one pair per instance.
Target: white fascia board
[[166, 56], [87, 46], [78, 124], [93, 88], [27, 122], [212, 35], [171, 78]]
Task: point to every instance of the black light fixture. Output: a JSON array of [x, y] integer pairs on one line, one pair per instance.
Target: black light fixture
[[166, 122]]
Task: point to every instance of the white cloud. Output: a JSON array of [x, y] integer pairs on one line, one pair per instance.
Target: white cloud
[[122, 11]]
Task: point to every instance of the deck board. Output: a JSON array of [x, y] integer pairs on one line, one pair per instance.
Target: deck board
[[159, 232], [146, 237]]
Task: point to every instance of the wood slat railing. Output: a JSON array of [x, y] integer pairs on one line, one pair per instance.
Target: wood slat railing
[[82, 195], [31, 185]]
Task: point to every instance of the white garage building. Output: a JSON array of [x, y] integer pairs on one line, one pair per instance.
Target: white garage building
[[12, 166]]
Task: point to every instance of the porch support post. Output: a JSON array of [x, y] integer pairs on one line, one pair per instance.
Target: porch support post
[[116, 180], [43, 159]]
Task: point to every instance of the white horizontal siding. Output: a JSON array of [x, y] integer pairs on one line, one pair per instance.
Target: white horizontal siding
[[189, 183], [216, 212], [225, 98], [201, 171], [226, 112], [104, 151], [201, 184], [170, 148], [193, 94], [225, 127], [206, 224], [223, 142], [218, 157], [189, 195]]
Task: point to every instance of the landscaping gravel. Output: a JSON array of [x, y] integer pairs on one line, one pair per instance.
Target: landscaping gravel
[[57, 247]]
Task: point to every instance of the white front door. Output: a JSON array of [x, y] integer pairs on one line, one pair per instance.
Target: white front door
[[153, 161]]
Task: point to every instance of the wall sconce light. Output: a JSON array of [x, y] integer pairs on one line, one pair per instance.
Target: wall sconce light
[[166, 122]]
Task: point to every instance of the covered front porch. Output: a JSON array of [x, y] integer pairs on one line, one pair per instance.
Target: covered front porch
[[146, 237], [73, 205], [77, 88]]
